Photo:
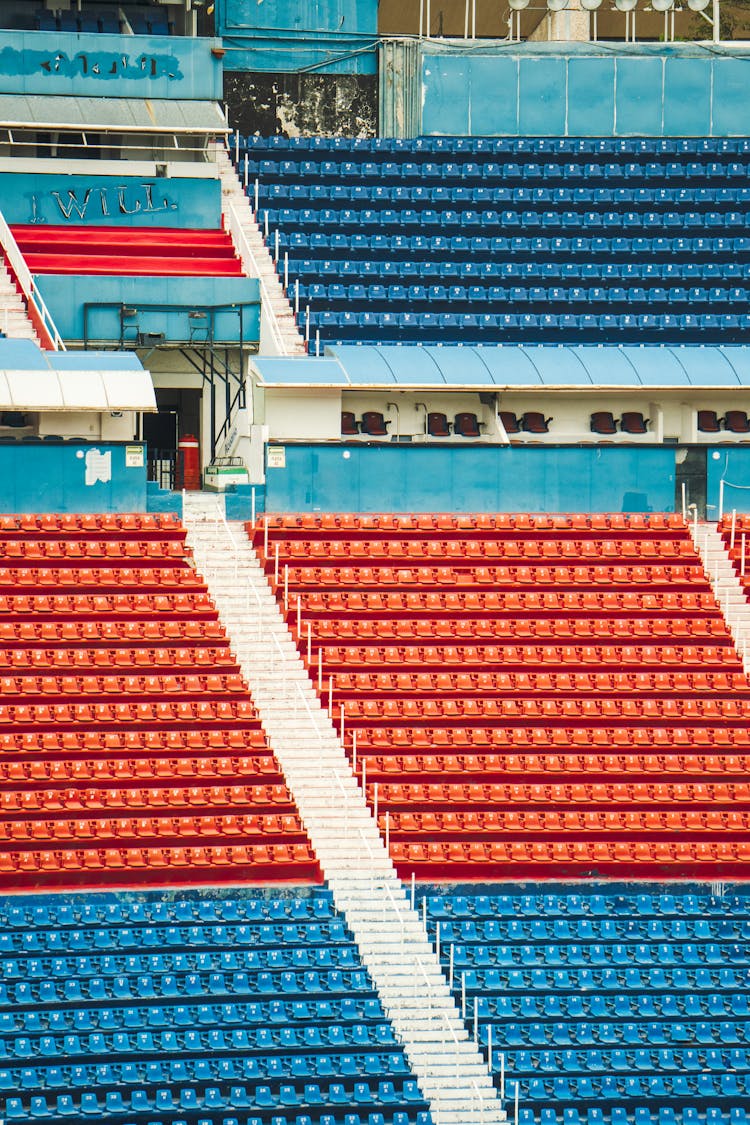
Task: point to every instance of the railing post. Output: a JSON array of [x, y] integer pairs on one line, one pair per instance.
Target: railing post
[[257, 196], [742, 564], [354, 753], [317, 342], [515, 1104], [502, 1078], [320, 670], [721, 500], [413, 889], [252, 506], [437, 937], [684, 501], [342, 731], [246, 171], [276, 247], [299, 619], [296, 297], [388, 831], [286, 588], [450, 967], [375, 803], [463, 995], [330, 697], [237, 146], [276, 565], [489, 1046], [364, 778], [734, 529], [424, 914], [476, 1020], [309, 644]]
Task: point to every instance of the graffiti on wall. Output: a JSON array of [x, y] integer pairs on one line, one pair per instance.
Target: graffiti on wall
[[90, 64], [98, 204]]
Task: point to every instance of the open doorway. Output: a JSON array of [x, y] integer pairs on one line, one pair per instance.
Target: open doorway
[[178, 413]]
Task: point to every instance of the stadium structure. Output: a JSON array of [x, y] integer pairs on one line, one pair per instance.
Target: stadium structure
[[374, 562]]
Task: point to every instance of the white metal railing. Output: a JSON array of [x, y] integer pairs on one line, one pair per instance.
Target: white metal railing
[[233, 222], [31, 294]]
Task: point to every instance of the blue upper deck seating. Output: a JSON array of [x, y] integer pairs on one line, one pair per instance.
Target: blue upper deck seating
[[549, 239]]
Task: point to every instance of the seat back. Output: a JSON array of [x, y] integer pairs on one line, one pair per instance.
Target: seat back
[[603, 422]]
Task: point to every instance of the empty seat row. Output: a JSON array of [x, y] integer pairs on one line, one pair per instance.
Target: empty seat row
[[437, 824], [102, 604], [48, 660], [431, 630], [465, 549], [637, 525], [96, 631], [67, 578], [595, 901], [704, 657], [162, 685], [488, 602], [38, 769], [570, 793], [521, 683], [452, 145], [437, 860], [32, 744], [135, 550], [551, 756], [110, 523]]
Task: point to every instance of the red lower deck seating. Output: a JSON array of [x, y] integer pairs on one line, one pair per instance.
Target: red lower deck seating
[[736, 536], [156, 251], [532, 695], [130, 750]]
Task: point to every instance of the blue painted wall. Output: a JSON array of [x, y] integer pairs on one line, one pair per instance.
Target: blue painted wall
[[52, 478], [66, 295], [127, 201], [541, 90], [732, 465], [331, 36], [115, 66], [392, 478]]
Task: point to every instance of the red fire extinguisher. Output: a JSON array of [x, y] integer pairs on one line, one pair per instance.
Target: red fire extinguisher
[[188, 464]]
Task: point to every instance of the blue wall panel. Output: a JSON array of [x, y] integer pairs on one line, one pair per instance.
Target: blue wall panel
[[127, 201], [577, 91], [732, 465], [731, 97], [542, 96], [687, 97], [370, 478], [591, 97], [115, 66], [335, 36], [446, 109], [52, 478], [65, 297], [499, 113]]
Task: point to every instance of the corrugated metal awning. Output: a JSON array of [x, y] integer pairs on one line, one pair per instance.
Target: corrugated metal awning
[[511, 367], [32, 379], [116, 115]]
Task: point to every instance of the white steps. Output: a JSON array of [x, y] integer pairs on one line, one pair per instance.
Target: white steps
[[451, 1071], [277, 305], [14, 320], [726, 586]]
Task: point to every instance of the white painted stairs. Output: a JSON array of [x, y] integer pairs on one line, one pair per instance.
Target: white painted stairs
[[726, 585], [449, 1068], [14, 319], [285, 337]]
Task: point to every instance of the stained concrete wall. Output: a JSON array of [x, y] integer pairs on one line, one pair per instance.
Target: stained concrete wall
[[302, 104]]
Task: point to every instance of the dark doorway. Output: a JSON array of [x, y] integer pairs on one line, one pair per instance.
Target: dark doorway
[[690, 470], [178, 413]]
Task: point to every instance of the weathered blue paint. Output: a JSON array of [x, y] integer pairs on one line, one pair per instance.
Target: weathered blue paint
[[327, 36], [125, 201], [397, 478], [162, 499], [581, 90], [51, 477], [66, 295], [118, 66]]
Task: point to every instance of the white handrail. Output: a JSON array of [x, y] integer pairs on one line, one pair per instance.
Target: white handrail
[[23, 276], [245, 251]]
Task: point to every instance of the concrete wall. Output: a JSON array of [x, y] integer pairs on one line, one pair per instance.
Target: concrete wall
[[66, 296], [548, 90], [118, 66], [122, 200], [294, 105], [337, 36], [392, 478], [72, 477]]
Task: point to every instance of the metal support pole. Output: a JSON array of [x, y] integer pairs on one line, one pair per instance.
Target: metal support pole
[[286, 588], [286, 271], [716, 21], [320, 670], [354, 753], [276, 566], [317, 341], [341, 719], [265, 538], [299, 618], [742, 564], [307, 324], [437, 938], [734, 529], [265, 224], [237, 147], [252, 506], [421, 19], [684, 501], [429, 17], [476, 1020], [424, 913], [515, 1104], [463, 996], [330, 697], [413, 889], [245, 172], [276, 246], [364, 777], [450, 967], [721, 500], [309, 644], [296, 297], [375, 802], [466, 20], [473, 19], [257, 194], [489, 1047], [502, 1078], [388, 831]]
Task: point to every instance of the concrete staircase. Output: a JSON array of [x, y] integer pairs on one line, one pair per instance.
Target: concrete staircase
[[14, 320], [450, 1070], [726, 586], [279, 332]]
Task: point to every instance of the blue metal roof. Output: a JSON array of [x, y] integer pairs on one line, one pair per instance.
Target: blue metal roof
[[25, 355], [512, 366]]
